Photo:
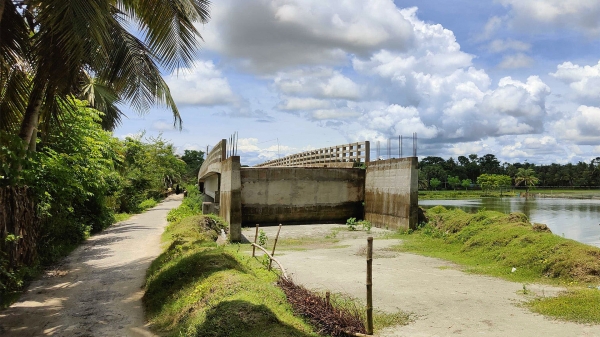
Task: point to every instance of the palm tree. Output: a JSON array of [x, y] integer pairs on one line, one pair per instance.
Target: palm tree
[[82, 48], [526, 176]]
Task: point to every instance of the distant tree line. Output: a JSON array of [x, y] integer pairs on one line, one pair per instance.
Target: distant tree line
[[468, 171]]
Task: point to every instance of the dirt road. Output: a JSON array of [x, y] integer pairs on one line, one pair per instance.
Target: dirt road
[[95, 291], [445, 300]]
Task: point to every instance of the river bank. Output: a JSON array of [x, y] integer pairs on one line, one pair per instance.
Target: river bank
[[534, 193]]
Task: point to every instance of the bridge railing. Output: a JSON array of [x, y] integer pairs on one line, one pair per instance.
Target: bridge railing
[[215, 156], [336, 156]]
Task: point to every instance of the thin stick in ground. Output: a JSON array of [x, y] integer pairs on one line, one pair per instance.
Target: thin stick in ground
[[274, 245], [370, 285], [255, 237]]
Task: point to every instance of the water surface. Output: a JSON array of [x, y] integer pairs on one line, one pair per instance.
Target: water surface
[[575, 219]]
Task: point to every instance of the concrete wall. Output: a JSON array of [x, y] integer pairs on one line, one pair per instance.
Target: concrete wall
[[391, 193], [211, 185], [301, 194], [230, 201]]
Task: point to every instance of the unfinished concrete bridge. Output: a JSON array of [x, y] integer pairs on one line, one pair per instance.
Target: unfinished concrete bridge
[[324, 185]]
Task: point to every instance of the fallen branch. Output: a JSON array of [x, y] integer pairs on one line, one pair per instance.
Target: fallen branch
[[328, 319], [273, 259]]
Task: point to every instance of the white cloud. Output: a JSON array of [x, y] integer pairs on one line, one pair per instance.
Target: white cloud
[[582, 127], [270, 35], [493, 24], [498, 46], [583, 80], [464, 149], [254, 153], [202, 84], [339, 86], [393, 121], [583, 15], [295, 103], [319, 82], [343, 113], [161, 125], [516, 61]]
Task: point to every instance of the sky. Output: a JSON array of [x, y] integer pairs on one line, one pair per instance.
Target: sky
[[516, 78]]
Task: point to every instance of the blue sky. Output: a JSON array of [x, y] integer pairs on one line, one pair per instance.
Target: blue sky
[[516, 78]]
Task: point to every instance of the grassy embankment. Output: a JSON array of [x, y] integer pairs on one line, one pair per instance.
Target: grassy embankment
[[492, 243], [198, 289]]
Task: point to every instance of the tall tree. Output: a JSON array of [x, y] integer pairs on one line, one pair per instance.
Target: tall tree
[[527, 177], [66, 43]]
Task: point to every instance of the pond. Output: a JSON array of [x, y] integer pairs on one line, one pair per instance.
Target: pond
[[576, 219]]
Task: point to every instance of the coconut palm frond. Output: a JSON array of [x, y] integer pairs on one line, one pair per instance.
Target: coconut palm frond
[[168, 27], [103, 98], [134, 75]]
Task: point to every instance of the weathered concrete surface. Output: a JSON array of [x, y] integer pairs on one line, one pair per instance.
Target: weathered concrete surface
[[230, 197], [391, 193], [301, 194], [95, 291], [444, 300], [211, 185]]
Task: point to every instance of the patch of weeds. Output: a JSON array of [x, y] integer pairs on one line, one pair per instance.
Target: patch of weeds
[[381, 319], [262, 238], [524, 291], [122, 217], [580, 305], [351, 224], [147, 204]]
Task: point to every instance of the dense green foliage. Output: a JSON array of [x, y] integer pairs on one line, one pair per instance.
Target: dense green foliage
[[197, 289], [472, 167], [107, 52], [191, 205], [82, 176], [193, 159]]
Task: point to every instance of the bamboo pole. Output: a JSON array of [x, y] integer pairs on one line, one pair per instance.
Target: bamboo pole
[[370, 285], [273, 259], [255, 237], [275, 244]]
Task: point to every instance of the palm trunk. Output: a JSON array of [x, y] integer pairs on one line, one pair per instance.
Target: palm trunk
[[2, 5], [32, 115]]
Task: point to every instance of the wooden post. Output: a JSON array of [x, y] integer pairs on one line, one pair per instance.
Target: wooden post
[[274, 244], [370, 285], [255, 237], [327, 296]]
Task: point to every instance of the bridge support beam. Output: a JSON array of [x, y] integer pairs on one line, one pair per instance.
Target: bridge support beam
[[231, 197]]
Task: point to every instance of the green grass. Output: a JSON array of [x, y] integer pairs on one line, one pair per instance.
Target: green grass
[[580, 305], [191, 205], [492, 243], [197, 289], [381, 319], [122, 216], [458, 194], [147, 204]]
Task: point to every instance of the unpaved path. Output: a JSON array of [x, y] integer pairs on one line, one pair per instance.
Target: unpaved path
[[95, 291], [445, 300]]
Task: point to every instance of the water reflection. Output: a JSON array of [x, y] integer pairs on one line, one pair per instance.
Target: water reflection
[[572, 218]]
